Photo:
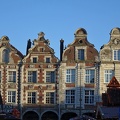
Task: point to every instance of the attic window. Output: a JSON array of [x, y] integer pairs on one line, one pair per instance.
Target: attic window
[[5, 56], [34, 60], [47, 60]]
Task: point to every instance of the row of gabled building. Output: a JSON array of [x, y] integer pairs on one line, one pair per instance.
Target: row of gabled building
[[41, 86]]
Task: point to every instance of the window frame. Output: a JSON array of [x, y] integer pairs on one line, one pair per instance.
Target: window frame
[[81, 54], [30, 76], [70, 96], [116, 55], [31, 98], [88, 97], [11, 96], [70, 75], [49, 78], [89, 73], [107, 72], [12, 78], [50, 97], [34, 59]]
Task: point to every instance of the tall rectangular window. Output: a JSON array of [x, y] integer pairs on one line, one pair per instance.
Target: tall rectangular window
[[34, 60], [11, 96], [32, 76], [116, 54], [12, 76], [89, 76], [89, 96], [50, 98], [50, 76], [108, 75], [48, 60], [70, 96], [31, 98], [70, 76], [81, 54]]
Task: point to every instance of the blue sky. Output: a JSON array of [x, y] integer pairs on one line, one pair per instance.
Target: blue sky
[[21, 20]]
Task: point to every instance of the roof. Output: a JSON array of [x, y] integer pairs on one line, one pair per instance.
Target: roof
[[109, 112], [113, 82]]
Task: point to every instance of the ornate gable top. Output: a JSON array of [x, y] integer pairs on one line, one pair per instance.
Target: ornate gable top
[[115, 31], [80, 32], [4, 39], [113, 82]]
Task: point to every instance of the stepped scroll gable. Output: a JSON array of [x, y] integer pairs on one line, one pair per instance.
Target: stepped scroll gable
[[110, 60], [10, 75], [40, 80], [78, 80], [80, 42]]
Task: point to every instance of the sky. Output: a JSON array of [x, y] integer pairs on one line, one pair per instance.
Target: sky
[[21, 20]]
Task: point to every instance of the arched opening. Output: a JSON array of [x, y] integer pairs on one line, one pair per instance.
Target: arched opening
[[68, 115], [49, 116], [30, 115]]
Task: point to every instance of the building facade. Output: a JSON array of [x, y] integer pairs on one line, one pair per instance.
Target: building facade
[[10, 60], [41, 86], [110, 60], [78, 81]]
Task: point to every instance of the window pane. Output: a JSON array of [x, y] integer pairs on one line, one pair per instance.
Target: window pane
[[50, 97], [31, 97], [34, 60], [11, 96], [89, 77], [81, 54], [70, 75], [116, 54], [50, 76], [89, 96], [108, 75], [70, 96], [12, 76], [32, 76]]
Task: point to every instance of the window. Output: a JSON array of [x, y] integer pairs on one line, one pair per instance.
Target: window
[[70, 75], [50, 97], [89, 96], [12, 76], [116, 54], [34, 60], [108, 75], [47, 60], [11, 96], [89, 76], [81, 54], [70, 96], [32, 76], [5, 56], [31, 97], [50, 76]]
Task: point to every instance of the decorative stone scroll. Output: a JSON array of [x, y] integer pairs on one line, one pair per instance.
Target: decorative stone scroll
[[11, 85], [30, 87]]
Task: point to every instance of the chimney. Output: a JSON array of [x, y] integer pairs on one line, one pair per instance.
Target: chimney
[[61, 48], [28, 46]]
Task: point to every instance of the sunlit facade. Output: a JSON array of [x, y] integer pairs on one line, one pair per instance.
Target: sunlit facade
[[41, 86]]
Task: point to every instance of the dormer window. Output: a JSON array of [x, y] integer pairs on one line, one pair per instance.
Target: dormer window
[[34, 60], [5, 56], [116, 55], [81, 54], [47, 60]]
